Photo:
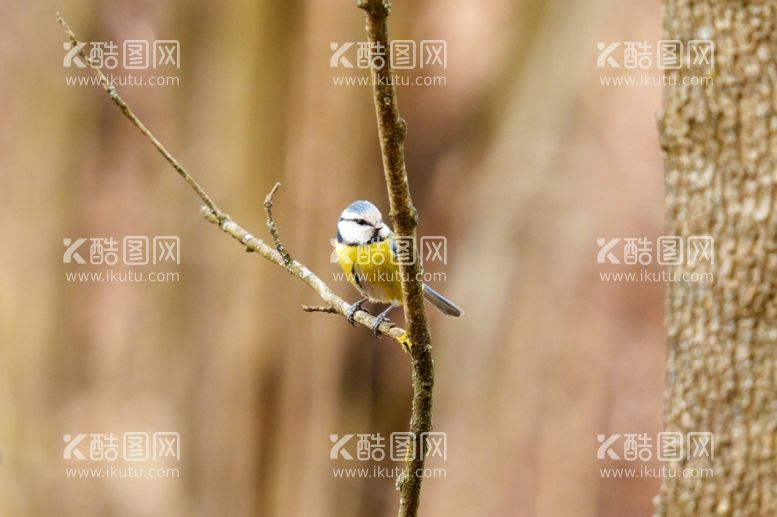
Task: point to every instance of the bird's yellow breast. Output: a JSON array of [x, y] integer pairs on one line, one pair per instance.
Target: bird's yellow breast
[[372, 269]]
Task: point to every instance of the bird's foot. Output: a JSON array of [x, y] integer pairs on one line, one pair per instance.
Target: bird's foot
[[380, 319], [357, 306]]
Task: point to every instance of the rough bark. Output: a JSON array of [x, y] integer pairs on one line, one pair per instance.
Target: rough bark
[[719, 150]]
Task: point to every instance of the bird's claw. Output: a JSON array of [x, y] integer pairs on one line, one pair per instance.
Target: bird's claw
[[380, 319], [356, 307]]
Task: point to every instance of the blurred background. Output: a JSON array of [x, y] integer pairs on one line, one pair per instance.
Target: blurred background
[[522, 159]]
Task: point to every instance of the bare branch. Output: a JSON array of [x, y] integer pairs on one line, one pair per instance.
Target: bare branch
[[214, 214], [273, 228], [318, 308], [111, 90], [392, 130]]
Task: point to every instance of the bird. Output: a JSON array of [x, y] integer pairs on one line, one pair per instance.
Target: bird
[[366, 250]]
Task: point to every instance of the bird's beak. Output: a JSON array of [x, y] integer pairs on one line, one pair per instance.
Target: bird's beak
[[384, 231]]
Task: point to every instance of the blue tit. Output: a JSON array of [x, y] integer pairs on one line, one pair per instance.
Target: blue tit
[[366, 250]]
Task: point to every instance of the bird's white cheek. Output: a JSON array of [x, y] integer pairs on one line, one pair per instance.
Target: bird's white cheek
[[354, 233]]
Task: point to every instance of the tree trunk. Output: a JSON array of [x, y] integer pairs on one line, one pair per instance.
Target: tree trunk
[[719, 147]]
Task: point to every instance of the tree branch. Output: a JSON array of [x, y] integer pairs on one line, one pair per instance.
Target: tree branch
[[273, 228], [318, 308], [214, 214], [392, 130]]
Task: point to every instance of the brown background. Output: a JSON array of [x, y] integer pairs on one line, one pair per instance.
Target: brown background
[[522, 160]]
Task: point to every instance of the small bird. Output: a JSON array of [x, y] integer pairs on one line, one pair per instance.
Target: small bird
[[366, 250]]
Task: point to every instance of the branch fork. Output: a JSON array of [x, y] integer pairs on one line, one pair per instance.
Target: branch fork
[[392, 130], [210, 210]]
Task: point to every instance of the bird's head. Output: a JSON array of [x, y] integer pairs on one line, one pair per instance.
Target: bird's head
[[360, 224]]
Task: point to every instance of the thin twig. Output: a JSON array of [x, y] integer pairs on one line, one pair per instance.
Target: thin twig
[[215, 215], [273, 228], [111, 90], [391, 131]]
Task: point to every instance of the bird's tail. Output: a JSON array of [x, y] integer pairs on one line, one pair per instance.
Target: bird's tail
[[445, 305]]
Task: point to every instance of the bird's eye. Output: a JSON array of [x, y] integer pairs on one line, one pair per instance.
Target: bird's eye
[[362, 221]]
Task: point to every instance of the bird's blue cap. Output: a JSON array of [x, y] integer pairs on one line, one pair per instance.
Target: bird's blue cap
[[361, 207]]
